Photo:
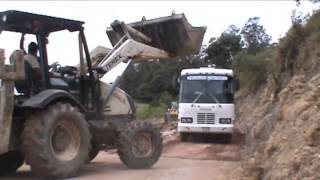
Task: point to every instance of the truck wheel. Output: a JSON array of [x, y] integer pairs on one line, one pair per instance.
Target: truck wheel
[[139, 145], [10, 162], [56, 142], [183, 137], [228, 138]]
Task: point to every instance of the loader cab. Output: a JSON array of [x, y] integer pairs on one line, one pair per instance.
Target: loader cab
[[77, 81]]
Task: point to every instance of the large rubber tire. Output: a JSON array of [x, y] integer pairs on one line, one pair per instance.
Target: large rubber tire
[[93, 152], [184, 137], [56, 141], [228, 138], [10, 162], [140, 145]]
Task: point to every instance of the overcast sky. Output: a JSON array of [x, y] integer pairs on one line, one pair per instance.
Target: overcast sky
[[216, 15]]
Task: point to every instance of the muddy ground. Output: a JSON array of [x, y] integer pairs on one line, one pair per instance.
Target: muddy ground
[[201, 157]]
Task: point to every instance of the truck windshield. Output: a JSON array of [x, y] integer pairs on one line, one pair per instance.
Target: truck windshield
[[206, 89]]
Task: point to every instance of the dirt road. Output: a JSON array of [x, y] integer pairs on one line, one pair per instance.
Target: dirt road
[[185, 161]]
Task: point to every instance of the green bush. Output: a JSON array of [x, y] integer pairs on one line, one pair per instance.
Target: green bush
[[303, 29], [289, 47], [148, 111], [313, 22], [252, 69], [282, 60], [166, 98]]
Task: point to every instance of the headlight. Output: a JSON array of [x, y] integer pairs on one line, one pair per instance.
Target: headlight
[[186, 120], [225, 120]]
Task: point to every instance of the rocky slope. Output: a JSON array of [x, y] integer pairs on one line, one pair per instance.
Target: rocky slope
[[281, 119]]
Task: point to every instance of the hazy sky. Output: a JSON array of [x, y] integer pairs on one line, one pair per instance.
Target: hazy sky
[[216, 15]]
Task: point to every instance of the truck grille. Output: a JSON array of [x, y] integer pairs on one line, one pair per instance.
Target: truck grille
[[205, 118]]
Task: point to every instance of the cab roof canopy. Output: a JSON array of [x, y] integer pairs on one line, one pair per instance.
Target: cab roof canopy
[[29, 23]]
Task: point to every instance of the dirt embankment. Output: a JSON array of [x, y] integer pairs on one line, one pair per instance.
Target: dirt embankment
[[283, 137], [282, 123]]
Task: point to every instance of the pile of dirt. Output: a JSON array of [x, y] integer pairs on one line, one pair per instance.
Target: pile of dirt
[[282, 124]]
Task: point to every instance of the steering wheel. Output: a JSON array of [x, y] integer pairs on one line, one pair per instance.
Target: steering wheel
[[55, 67]]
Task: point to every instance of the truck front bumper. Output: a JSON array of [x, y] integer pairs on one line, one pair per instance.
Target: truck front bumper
[[204, 128]]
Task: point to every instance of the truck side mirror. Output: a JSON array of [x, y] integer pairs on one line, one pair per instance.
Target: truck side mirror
[[175, 82], [232, 86]]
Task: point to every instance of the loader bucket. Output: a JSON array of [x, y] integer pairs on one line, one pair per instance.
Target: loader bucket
[[172, 34]]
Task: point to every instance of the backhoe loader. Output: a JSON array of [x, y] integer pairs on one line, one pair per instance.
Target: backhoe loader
[[59, 123]]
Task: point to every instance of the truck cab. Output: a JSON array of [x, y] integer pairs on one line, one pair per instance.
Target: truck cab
[[206, 102]]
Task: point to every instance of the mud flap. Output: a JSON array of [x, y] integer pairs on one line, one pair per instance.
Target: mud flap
[[7, 75]]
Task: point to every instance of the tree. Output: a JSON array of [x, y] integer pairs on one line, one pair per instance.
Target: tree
[[221, 50], [150, 81], [313, 1], [254, 35]]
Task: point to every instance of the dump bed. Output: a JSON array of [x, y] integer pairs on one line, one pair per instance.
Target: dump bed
[[173, 34]]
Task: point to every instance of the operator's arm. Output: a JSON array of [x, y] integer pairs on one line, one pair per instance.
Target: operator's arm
[[22, 43]]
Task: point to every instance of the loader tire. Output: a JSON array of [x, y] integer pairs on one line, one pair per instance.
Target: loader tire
[[93, 152], [10, 162], [139, 145], [56, 141]]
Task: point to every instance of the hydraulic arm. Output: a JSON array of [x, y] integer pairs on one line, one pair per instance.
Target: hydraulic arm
[[129, 48]]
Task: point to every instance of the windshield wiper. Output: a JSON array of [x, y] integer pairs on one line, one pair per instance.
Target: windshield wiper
[[214, 98], [196, 99]]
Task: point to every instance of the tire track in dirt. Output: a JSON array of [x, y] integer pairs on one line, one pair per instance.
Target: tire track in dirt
[[203, 147]]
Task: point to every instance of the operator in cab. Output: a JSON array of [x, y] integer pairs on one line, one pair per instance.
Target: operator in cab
[[32, 59], [32, 82]]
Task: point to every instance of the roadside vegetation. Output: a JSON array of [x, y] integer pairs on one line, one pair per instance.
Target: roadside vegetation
[[248, 50], [151, 112]]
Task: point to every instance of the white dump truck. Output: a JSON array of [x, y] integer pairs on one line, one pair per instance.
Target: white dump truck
[[206, 102]]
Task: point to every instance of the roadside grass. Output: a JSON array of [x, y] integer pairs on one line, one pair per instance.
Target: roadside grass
[[154, 113]]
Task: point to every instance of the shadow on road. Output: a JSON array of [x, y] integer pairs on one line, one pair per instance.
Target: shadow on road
[[237, 138], [205, 147], [104, 164]]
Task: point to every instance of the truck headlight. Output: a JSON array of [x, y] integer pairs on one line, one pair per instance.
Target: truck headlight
[[186, 120], [225, 120]]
